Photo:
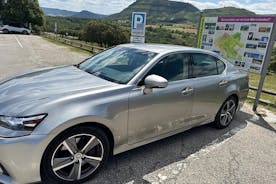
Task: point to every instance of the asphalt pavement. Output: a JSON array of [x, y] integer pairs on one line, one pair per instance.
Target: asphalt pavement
[[23, 52], [245, 152]]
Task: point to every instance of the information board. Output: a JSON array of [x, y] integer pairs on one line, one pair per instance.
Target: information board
[[242, 40]]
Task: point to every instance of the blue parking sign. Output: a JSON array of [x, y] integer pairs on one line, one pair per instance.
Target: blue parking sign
[[138, 23]]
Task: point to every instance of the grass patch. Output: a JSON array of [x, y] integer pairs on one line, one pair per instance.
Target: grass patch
[[269, 84], [270, 81], [269, 107], [73, 49]]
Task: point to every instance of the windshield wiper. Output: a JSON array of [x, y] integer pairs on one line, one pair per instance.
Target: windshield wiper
[[98, 74], [109, 79], [77, 65]]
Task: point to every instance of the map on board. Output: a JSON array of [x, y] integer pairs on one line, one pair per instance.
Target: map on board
[[242, 40], [230, 45]]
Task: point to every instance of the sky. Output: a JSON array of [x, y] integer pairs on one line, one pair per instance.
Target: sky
[[114, 6]]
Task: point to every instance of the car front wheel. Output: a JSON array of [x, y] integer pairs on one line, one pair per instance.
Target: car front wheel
[[75, 156], [226, 113]]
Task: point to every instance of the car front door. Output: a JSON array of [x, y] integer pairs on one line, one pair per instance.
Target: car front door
[[163, 110], [14, 28], [209, 83]]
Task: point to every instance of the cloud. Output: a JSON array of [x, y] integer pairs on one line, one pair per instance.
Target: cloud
[[96, 6], [115, 6], [259, 7]]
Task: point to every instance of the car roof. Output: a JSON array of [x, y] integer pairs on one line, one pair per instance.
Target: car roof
[[164, 48]]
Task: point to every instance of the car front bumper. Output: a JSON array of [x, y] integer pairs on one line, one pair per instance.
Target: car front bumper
[[20, 158]]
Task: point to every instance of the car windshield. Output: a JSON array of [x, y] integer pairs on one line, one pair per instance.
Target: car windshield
[[119, 64]]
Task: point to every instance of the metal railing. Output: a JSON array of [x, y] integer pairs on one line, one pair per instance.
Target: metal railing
[[73, 43], [268, 92]]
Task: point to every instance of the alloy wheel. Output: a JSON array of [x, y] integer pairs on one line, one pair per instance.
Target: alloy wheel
[[227, 112], [5, 31], [77, 157]]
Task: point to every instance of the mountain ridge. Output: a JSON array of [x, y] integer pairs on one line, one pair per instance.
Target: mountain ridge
[[158, 11], [164, 11], [66, 13]]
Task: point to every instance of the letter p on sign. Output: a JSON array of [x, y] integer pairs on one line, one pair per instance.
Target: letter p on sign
[[138, 23], [138, 20]]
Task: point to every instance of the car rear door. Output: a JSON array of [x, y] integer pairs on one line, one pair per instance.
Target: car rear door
[[209, 83], [164, 110]]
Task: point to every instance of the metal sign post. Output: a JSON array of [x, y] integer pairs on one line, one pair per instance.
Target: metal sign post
[[199, 29], [265, 67], [55, 27], [138, 27], [31, 27]]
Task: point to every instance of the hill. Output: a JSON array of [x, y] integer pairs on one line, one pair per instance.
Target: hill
[[164, 11], [88, 15], [227, 11], [66, 13], [159, 11], [58, 12]]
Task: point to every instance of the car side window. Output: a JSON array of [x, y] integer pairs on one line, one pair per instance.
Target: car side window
[[205, 65], [173, 67], [221, 66]]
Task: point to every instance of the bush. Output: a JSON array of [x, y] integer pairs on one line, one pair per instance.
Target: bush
[[272, 67], [104, 33]]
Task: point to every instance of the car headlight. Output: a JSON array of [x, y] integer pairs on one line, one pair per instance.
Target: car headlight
[[21, 123]]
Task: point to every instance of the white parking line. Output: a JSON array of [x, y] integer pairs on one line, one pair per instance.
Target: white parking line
[[18, 41]]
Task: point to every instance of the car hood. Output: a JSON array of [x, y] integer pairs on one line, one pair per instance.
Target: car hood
[[40, 86]]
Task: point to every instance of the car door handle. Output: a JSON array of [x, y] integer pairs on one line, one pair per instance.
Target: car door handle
[[223, 83], [187, 91]]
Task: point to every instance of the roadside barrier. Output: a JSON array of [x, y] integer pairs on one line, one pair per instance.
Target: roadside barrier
[[77, 44]]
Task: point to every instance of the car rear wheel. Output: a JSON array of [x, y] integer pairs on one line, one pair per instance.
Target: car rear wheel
[[25, 32], [5, 31], [75, 156], [226, 113]]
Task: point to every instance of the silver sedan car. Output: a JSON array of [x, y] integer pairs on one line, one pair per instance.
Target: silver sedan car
[[60, 124]]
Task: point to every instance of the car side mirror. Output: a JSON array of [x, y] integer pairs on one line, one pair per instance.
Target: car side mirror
[[154, 81]]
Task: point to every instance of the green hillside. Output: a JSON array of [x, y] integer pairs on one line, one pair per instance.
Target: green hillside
[[159, 11], [164, 11]]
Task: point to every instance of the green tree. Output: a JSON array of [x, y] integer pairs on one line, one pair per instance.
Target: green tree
[[24, 12], [104, 33], [1, 8], [71, 25]]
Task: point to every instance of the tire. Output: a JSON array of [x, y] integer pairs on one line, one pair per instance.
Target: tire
[[25, 33], [226, 113], [5, 31], [74, 147]]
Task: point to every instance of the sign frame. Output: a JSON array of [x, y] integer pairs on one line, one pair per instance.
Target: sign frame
[[251, 36], [138, 27], [267, 54]]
